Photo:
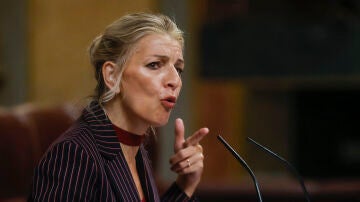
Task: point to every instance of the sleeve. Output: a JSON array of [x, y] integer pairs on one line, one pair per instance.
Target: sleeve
[[66, 173], [175, 194]]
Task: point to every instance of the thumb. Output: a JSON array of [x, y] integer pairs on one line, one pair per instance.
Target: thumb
[[179, 135]]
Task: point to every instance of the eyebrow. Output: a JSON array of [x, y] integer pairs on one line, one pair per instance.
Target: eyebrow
[[180, 60]]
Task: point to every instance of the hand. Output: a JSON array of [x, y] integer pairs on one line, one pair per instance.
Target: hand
[[187, 161]]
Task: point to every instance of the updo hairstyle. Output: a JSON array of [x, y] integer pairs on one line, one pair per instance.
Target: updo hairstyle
[[117, 43]]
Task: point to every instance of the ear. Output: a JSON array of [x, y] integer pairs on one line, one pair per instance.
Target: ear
[[108, 73]]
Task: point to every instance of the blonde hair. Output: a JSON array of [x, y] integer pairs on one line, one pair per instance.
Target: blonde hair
[[118, 41]]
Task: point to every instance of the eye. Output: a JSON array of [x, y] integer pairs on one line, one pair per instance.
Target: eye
[[179, 70], [153, 65]]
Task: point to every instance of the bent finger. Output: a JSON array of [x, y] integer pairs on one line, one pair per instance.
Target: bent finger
[[197, 137], [185, 153], [187, 163]]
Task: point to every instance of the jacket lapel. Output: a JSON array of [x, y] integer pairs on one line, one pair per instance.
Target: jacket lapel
[[148, 183], [116, 168]]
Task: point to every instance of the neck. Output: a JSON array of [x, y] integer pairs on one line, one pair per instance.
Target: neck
[[129, 152], [122, 118]]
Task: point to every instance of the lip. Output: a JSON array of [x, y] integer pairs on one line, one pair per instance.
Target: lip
[[169, 102]]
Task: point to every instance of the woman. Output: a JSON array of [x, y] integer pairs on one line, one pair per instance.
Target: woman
[[138, 62]]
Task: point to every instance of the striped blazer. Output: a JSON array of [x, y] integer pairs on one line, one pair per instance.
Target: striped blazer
[[86, 163]]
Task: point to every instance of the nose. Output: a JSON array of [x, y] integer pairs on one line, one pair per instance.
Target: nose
[[173, 79]]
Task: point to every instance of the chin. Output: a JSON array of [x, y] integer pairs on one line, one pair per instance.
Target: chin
[[160, 122]]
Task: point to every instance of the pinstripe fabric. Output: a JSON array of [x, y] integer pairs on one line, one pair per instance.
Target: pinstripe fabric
[[87, 164]]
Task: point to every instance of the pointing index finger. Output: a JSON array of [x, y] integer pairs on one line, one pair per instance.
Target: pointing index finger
[[197, 136]]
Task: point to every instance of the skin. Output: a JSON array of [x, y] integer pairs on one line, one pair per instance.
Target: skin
[[153, 73]]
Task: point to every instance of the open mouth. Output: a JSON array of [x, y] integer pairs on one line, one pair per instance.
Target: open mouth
[[171, 99], [169, 102]]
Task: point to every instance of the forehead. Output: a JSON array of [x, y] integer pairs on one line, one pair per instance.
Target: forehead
[[162, 44]]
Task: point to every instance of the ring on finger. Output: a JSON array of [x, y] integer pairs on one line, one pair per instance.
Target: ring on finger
[[188, 162]]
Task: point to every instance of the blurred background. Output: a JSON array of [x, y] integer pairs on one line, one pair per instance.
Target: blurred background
[[284, 72]]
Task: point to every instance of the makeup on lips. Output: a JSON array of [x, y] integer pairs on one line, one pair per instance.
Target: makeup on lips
[[169, 102]]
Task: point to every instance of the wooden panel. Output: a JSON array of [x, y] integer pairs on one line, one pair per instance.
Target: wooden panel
[[220, 105], [59, 34]]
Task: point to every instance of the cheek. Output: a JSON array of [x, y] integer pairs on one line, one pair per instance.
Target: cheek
[[149, 87], [179, 88], [141, 89], [148, 81]]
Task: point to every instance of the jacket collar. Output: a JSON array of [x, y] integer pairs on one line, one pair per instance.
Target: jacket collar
[[103, 131]]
